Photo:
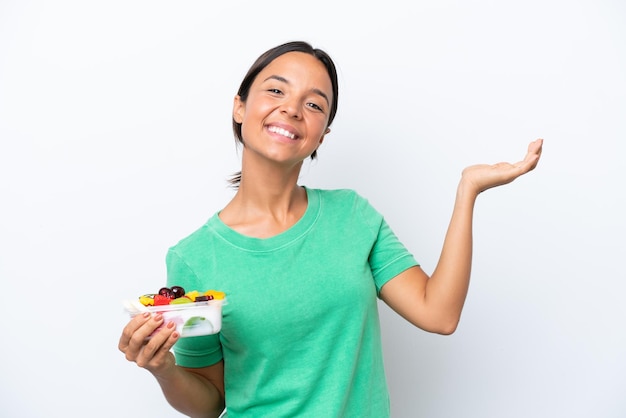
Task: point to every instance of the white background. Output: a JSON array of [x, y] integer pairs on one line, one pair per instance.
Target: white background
[[116, 142]]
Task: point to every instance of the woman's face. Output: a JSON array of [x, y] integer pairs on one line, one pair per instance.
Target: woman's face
[[286, 114]]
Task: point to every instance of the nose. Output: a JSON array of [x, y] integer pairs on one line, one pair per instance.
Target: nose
[[291, 108]]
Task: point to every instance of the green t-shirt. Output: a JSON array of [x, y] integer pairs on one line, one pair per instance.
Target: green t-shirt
[[300, 332]]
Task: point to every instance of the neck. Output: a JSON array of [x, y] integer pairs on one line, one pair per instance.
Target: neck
[[267, 195], [267, 202], [268, 184]]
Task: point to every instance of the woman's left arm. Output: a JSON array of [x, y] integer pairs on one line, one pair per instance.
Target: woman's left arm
[[435, 303]]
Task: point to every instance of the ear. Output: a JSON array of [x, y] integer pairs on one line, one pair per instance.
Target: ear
[[239, 109], [322, 137]]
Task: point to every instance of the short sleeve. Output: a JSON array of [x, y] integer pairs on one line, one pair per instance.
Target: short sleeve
[[192, 352], [388, 256]]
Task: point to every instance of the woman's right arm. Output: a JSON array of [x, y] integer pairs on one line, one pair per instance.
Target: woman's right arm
[[193, 392]]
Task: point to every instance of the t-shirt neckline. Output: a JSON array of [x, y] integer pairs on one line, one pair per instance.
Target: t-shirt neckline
[[285, 238]]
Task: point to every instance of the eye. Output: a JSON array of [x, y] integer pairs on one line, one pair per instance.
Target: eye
[[275, 91], [314, 106]]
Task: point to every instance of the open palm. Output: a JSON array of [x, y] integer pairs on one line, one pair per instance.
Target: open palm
[[486, 176]]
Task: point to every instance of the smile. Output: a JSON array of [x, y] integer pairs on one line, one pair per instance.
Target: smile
[[281, 131]]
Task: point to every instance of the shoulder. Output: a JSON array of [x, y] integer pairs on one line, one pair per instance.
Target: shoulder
[[195, 239], [345, 202], [339, 196]]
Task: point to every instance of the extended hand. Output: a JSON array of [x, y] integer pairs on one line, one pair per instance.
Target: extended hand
[[481, 177]]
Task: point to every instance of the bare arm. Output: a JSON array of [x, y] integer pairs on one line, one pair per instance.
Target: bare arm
[[435, 303], [193, 392]]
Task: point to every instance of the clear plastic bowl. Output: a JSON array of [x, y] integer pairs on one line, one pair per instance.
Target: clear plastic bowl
[[191, 319]]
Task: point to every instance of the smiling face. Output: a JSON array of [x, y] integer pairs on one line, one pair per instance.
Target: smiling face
[[286, 114]]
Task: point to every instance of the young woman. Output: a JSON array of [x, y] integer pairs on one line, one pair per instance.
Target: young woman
[[302, 268]]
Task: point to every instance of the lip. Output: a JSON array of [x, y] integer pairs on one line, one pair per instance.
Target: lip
[[283, 131]]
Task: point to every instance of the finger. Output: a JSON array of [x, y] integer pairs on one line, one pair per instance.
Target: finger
[[159, 346], [129, 330], [141, 335], [531, 159], [158, 339]]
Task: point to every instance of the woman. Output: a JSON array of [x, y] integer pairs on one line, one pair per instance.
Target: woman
[[302, 268]]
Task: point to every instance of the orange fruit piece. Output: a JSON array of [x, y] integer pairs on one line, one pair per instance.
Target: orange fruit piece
[[215, 293]]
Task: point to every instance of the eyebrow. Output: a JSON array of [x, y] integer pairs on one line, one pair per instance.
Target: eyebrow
[[284, 80]]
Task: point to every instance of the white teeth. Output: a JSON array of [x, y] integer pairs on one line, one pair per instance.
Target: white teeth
[[281, 131]]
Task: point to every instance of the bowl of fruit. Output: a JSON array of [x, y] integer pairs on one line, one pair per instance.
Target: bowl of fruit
[[195, 313]]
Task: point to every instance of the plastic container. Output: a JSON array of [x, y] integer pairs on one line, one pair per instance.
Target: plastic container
[[191, 319]]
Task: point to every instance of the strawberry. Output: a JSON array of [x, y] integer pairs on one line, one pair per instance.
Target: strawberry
[[161, 300]]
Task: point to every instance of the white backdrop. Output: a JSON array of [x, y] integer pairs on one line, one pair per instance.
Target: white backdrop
[[116, 142]]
